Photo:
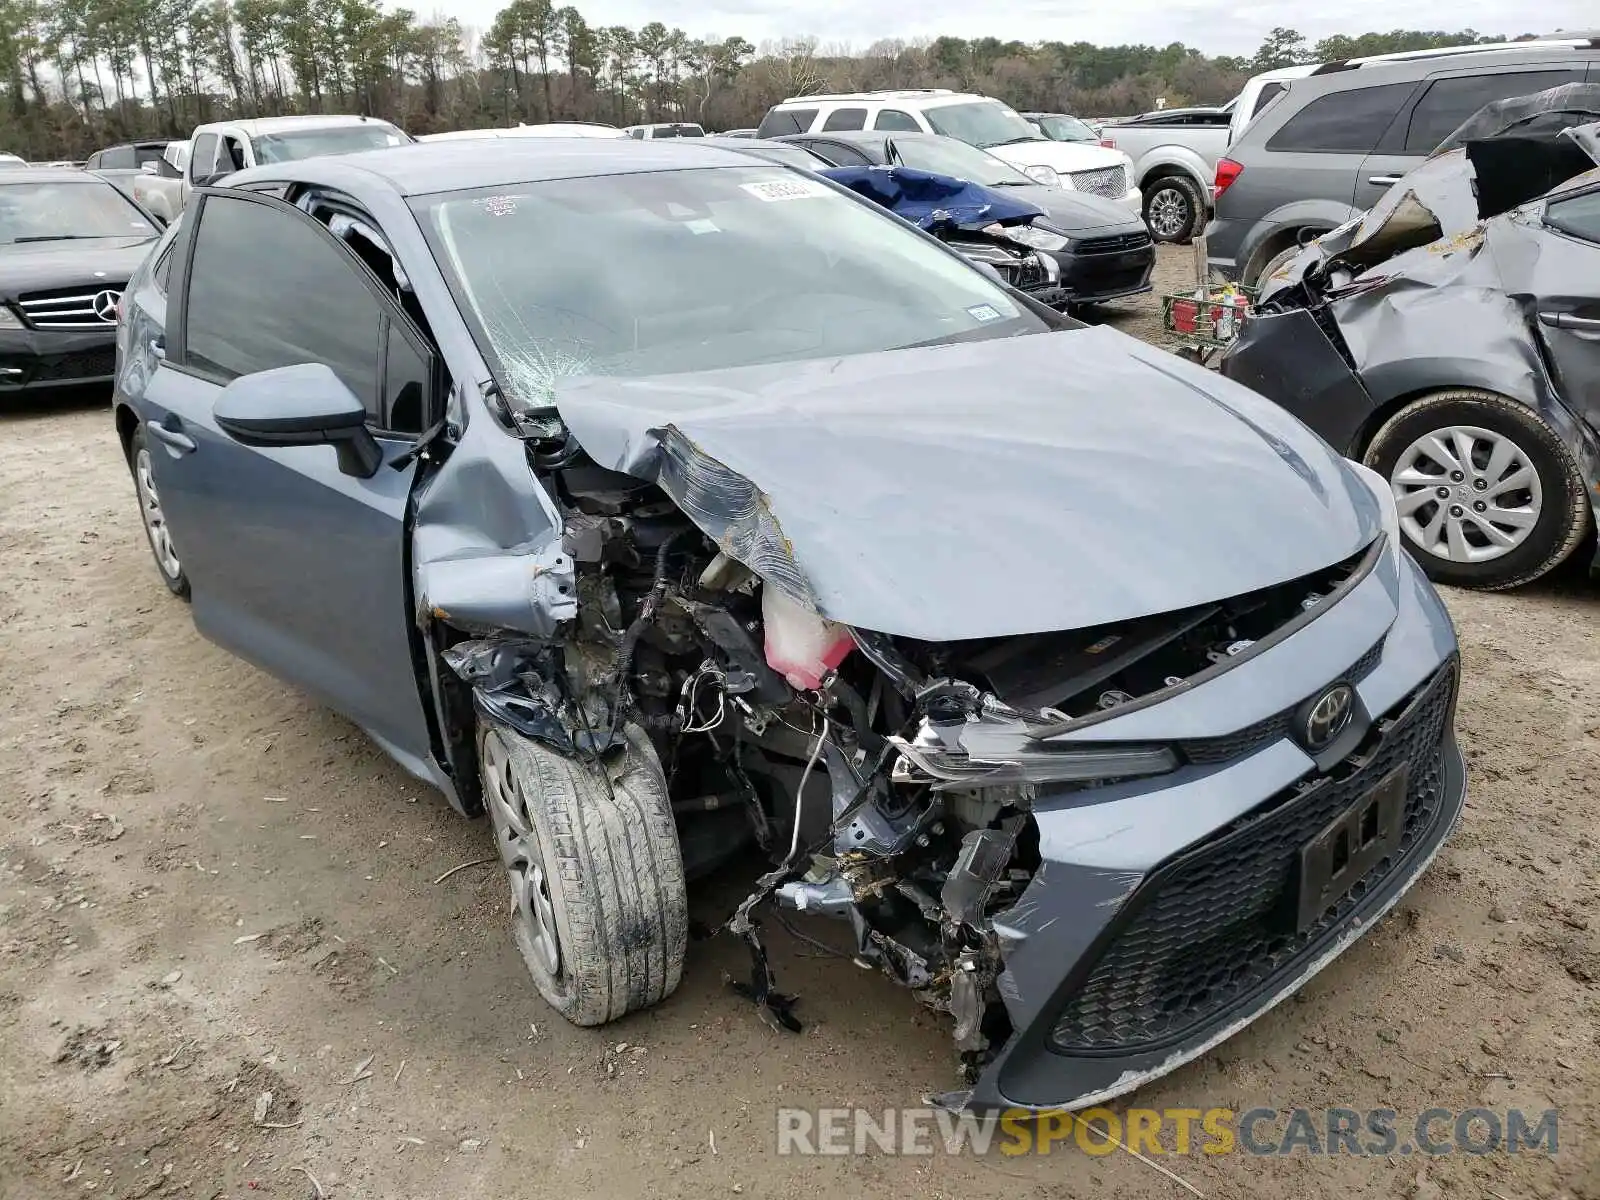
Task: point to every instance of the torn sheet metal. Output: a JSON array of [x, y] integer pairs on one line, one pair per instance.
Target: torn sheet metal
[[882, 490], [486, 549]]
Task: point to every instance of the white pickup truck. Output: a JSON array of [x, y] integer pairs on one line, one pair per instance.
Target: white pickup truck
[[217, 150], [1174, 152]]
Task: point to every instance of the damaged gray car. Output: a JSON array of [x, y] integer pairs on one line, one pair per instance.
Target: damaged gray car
[[1450, 338], [661, 504]]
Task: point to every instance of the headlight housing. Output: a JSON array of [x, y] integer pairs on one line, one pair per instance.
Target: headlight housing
[[1384, 495], [9, 319], [1043, 174], [1035, 236]]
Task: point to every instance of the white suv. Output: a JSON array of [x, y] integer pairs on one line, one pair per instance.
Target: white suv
[[976, 120]]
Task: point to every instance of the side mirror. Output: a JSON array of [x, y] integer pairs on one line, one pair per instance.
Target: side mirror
[[304, 405]]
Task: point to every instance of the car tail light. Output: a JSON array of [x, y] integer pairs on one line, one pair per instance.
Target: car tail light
[[1227, 172]]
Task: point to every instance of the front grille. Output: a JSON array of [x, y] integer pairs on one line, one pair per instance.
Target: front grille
[[1252, 737], [74, 308], [1119, 244], [1111, 182], [1216, 926]]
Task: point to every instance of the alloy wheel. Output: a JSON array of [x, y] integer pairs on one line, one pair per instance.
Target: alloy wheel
[[1466, 494], [1169, 212], [532, 911], [155, 520]]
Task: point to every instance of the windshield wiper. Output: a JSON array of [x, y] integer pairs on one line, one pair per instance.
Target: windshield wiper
[[55, 237], [1027, 137]]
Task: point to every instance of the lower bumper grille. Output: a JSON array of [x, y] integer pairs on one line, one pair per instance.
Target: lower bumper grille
[[1217, 926], [58, 368]]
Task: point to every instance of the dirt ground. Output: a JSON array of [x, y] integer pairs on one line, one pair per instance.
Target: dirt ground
[[211, 890]]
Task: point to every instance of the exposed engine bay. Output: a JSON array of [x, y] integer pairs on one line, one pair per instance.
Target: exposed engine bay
[[888, 780]]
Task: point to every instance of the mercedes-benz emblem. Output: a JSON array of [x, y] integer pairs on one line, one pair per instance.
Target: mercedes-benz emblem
[[105, 305], [1328, 716]]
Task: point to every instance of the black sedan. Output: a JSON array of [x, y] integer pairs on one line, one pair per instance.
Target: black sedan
[[69, 241], [1108, 254]]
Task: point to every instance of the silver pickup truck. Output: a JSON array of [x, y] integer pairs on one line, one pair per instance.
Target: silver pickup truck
[[219, 149], [1174, 152]]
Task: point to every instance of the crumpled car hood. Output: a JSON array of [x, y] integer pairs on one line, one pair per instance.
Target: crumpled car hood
[[1011, 486]]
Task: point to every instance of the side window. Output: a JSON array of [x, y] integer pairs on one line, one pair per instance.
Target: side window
[[232, 157], [92, 163], [405, 383], [268, 289], [786, 120], [203, 163], [846, 118], [1449, 102], [162, 275], [841, 155], [1578, 216], [1347, 122], [636, 134], [893, 118]]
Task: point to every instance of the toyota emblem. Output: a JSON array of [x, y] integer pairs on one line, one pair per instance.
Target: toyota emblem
[[105, 305], [1328, 716]]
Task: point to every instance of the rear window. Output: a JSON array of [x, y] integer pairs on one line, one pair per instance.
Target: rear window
[[1269, 93], [786, 120], [846, 118], [1348, 122], [1449, 102]]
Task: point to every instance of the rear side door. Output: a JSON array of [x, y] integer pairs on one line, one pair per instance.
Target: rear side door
[[1437, 110], [1318, 151], [1566, 287], [292, 564]]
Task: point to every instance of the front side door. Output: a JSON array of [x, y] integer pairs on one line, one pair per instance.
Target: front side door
[[1566, 289], [1437, 111], [292, 563]]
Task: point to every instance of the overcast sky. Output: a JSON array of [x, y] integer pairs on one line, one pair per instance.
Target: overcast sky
[[1215, 26]]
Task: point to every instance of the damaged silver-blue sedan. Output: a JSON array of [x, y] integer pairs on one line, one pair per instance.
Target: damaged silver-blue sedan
[[659, 504]]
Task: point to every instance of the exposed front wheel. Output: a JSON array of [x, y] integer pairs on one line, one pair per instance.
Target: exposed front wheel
[[1173, 208], [598, 908], [154, 517], [1488, 495]]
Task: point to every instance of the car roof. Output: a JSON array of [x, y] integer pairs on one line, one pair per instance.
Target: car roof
[[426, 168], [1374, 72], [263, 126], [50, 175], [913, 97]]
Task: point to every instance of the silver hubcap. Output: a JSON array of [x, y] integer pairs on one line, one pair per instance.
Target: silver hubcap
[[1169, 212], [532, 914], [155, 521], [1466, 494]]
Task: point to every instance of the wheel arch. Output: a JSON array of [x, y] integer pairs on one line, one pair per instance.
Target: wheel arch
[[1402, 390], [127, 421]]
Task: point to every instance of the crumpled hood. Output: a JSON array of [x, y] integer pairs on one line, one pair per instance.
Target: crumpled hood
[[1011, 486]]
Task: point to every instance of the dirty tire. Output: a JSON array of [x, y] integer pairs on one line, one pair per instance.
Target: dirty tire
[[168, 566], [614, 873], [1564, 514], [1174, 209]]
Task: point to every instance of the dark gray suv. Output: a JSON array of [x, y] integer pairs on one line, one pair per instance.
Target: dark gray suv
[[1340, 137]]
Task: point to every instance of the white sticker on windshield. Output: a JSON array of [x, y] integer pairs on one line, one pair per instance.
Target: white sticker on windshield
[[785, 189], [984, 312], [701, 227]]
